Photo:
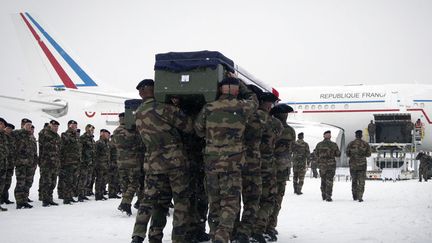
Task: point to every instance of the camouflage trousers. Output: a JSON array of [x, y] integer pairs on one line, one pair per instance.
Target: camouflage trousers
[[113, 181], [327, 176], [281, 178], [3, 170], [23, 170], [68, 173], [60, 183], [358, 178], [101, 181], [158, 191], [423, 172], [30, 177], [267, 201], [8, 180], [82, 178], [91, 177], [198, 203], [314, 170], [298, 179], [129, 183], [251, 194], [223, 190], [47, 182]]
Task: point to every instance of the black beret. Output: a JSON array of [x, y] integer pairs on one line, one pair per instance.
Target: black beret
[[359, 132], [255, 89], [121, 114], [54, 122], [104, 130], [72, 122], [268, 97], [145, 82], [229, 81], [300, 134], [25, 120], [10, 126], [281, 108], [4, 121], [328, 131]]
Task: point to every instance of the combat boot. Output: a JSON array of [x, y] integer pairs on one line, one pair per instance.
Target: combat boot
[[137, 239], [259, 238], [6, 198], [45, 204], [329, 199], [271, 235], [136, 205], [3, 209], [202, 236], [125, 208], [80, 199], [360, 200], [52, 203], [67, 201], [73, 200], [29, 200], [7, 201], [23, 205], [355, 197], [85, 198], [241, 238], [114, 196]]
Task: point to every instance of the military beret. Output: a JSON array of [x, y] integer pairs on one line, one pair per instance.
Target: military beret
[[300, 135], [359, 132], [281, 108], [255, 89], [72, 122], [328, 131], [25, 120], [10, 126], [145, 82], [229, 81], [54, 122], [121, 114], [3, 121], [104, 130], [268, 97]]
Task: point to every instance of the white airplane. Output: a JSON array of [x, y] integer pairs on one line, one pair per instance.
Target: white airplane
[[345, 109], [59, 88]]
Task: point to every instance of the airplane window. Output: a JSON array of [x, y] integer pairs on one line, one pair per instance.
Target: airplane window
[[306, 107], [313, 107], [326, 107], [422, 105], [333, 107], [319, 107], [415, 105], [346, 106], [299, 107]]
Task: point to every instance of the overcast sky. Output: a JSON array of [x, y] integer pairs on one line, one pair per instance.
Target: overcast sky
[[284, 43]]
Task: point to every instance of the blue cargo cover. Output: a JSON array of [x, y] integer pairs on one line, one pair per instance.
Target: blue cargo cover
[[185, 61], [132, 104]]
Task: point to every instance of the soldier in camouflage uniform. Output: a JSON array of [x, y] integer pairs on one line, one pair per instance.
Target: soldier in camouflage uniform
[[129, 151], [69, 160], [222, 124], [113, 173], [49, 162], [102, 161], [301, 153], [34, 163], [326, 151], [251, 173], [165, 164], [24, 163], [357, 151], [87, 162], [282, 163], [4, 152], [11, 163], [313, 164], [424, 165]]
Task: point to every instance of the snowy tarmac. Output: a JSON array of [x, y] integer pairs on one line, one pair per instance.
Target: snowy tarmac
[[392, 212]]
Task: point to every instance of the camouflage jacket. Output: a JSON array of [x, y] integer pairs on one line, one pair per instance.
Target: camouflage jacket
[[12, 150], [326, 151], [300, 153], [49, 148], [70, 148], [252, 139], [283, 147], [113, 155], [129, 147], [24, 147], [88, 147], [358, 150], [4, 146], [103, 152], [425, 160], [222, 123], [34, 150], [159, 125], [272, 130]]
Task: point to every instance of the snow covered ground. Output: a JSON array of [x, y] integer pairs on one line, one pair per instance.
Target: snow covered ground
[[392, 212]]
